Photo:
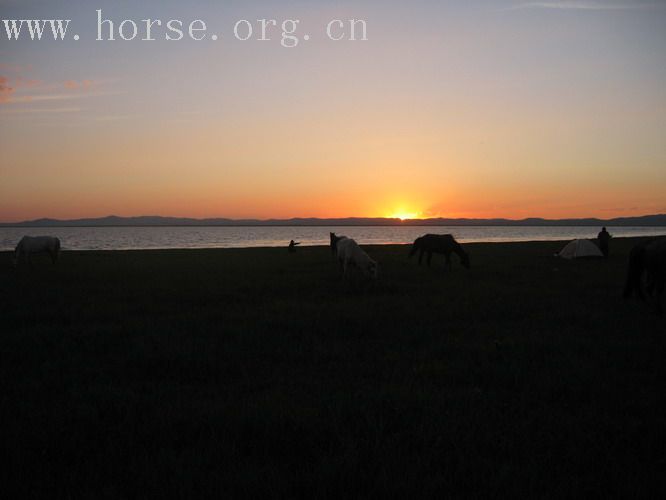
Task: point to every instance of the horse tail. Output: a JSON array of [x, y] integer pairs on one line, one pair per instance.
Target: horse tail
[[635, 272]]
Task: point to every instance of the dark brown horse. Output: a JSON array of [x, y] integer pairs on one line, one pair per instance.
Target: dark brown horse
[[647, 267], [439, 243]]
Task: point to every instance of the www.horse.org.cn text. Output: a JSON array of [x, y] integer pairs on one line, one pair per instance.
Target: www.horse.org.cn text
[[289, 33]]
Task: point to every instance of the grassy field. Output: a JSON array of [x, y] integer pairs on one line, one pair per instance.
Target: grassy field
[[245, 373]]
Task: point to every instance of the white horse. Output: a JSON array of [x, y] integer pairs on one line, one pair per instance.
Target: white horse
[[36, 244], [350, 254]]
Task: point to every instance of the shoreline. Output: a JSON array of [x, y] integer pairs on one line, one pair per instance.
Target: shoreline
[[317, 246]]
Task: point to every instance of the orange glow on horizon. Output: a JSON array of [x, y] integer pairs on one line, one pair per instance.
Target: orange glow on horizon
[[404, 215]]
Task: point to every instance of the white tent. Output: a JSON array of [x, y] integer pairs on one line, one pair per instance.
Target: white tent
[[577, 249]]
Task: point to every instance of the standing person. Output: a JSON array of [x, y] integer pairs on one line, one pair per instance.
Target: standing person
[[604, 242]]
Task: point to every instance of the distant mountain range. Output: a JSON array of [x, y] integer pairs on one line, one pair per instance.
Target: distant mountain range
[[112, 220]]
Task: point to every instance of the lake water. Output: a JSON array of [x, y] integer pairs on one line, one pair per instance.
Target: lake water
[[127, 238]]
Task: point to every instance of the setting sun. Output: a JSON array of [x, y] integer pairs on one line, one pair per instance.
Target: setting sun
[[404, 215]]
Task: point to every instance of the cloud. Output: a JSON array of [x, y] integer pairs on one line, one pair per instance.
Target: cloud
[[26, 83], [58, 97], [23, 111], [73, 84], [5, 90], [16, 88], [41, 97], [584, 5], [8, 89]]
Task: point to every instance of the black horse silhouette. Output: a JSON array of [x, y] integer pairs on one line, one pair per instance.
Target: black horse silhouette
[[647, 263], [439, 243]]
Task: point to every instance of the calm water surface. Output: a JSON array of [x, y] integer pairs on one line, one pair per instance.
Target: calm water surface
[[128, 238]]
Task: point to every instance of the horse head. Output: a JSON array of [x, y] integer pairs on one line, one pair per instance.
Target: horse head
[[415, 246], [334, 241]]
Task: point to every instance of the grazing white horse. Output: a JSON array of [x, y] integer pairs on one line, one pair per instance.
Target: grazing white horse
[[350, 254], [36, 244]]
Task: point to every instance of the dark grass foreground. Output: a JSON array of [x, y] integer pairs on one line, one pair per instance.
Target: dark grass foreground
[[245, 373]]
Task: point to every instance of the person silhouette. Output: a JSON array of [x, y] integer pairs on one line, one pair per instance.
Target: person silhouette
[[292, 246], [604, 242]]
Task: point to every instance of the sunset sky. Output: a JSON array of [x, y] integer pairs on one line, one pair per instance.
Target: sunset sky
[[450, 108]]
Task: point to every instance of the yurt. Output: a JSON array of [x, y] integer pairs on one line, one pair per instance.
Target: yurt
[[578, 249]]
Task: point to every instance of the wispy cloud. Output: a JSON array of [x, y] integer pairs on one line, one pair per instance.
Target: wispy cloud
[[58, 97], [73, 84], [17, 89], [586, 5], [5, 90], [23, 111]]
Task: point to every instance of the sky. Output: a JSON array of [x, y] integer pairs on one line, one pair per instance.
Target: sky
[[491, 108]]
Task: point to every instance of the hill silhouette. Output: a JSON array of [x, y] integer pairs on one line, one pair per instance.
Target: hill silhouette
[[155, 220]]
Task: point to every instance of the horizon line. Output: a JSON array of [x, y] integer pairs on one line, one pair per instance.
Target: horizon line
[[277, 221]]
